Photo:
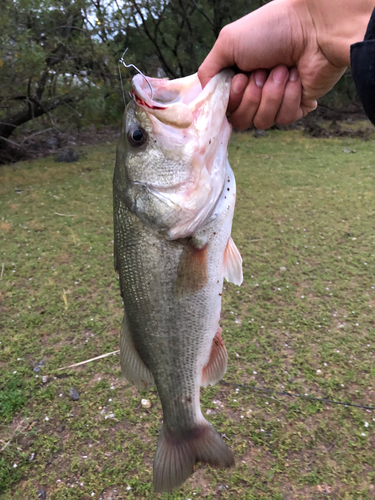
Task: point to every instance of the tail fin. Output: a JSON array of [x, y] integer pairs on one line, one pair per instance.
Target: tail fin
[[176, 455]]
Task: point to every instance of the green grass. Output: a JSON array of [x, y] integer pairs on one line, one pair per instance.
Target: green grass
[[302, 321]]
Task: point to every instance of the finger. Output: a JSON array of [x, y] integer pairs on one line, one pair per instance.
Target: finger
[[242, 117], [221, 56], [272, 97], [290, 109], [308, 105], [237, 88]]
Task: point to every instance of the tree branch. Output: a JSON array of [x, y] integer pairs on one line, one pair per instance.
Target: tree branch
[[164, 63], [36, 110], [19, 144]]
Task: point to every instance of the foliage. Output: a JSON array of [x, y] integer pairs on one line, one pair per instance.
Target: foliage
[[51, 56], [302, 322], [12, 398]]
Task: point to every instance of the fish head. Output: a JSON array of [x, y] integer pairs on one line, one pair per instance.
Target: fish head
[[172, 154]]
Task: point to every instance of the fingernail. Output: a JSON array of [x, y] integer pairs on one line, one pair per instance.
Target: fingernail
[[260, 78], [279, 74], [293, 75], [238, 85]]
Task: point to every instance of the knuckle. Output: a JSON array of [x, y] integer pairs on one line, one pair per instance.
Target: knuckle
[[263, 124], [288, 118], [273, 97], [225, 35], [240, 124], [284, 120], [253, 100]]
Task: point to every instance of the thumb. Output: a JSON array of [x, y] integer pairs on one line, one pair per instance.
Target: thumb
[[221, 56], [261, 39]]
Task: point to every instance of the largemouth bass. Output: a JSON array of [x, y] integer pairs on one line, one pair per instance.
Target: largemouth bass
[[174, 197]]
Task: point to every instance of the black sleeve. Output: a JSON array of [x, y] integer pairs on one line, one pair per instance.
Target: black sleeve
[[362, 57]]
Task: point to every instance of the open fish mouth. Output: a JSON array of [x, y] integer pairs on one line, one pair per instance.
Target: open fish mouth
[[177, 102]]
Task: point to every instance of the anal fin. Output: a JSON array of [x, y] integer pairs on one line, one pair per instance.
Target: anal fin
[[217, 362], [132, 366], [232, 263]]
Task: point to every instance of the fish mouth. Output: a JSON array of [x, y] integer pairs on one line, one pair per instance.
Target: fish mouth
[[177, 102], [143, 103]]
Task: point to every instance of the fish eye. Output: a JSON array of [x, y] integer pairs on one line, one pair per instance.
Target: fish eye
[[137, 136]]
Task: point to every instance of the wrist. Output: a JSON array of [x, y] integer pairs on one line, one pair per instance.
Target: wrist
[[336, 24]]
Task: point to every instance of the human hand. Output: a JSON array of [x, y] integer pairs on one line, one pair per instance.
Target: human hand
[[266, 98], [311, 37]]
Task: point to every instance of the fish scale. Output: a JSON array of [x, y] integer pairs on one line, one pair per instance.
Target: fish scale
[[171, 277]]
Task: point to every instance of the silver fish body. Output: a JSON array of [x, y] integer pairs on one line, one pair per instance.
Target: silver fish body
[[172, 220]]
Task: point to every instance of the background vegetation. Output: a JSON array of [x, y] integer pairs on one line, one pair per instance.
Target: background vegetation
[[303, 321]]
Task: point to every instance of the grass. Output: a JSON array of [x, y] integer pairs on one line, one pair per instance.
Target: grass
[[302, 321]]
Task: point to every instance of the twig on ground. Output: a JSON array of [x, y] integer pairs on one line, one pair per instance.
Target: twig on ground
[[278, 400], [11, 437], [36, 133], [2, 271], [5, 445], [10, 142], [65, 215], [88, 360], [20, 144]]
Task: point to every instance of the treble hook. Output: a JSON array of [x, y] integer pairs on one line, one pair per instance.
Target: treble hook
[[135, 67]]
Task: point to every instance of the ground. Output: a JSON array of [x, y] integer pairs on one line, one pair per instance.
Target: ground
[[301, 322]]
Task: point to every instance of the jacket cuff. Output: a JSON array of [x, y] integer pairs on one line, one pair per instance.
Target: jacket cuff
[[362, 58]]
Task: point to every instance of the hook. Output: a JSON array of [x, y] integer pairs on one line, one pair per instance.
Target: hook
[[135, 67]]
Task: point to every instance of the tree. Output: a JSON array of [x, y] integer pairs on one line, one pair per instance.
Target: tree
[[51, 55], [181, 32]]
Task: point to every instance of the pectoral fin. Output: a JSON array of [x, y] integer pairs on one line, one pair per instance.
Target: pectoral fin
[[232, 263], [132, 366], [192, 274]]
